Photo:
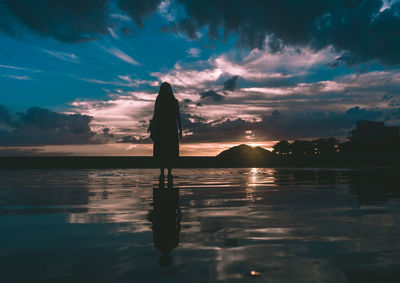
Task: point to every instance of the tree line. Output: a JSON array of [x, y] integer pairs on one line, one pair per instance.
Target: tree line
[[304, 147], [331, 146]]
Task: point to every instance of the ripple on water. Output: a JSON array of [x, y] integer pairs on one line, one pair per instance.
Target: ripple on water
[[258, 224]]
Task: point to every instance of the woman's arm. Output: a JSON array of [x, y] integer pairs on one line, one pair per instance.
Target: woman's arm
[[178, 118], [155, 114], [153, 122]]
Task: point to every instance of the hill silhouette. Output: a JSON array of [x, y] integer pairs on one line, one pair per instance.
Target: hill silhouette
[[238, 156], [246, 153]]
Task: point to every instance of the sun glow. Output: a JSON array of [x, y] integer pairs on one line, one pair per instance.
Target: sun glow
[[257, 144]]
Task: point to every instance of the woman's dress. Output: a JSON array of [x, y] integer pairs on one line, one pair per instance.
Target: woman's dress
[[165, 123]]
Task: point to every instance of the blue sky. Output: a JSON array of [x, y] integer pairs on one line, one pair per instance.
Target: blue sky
[[48, 64], [243, 73]]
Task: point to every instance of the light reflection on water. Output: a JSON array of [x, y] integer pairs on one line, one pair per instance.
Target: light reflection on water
[[297, 225]]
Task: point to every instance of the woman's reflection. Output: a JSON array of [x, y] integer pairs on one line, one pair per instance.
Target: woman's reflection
[[166, 218]]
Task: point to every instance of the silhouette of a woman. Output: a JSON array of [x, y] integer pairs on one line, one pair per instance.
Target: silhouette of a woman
[[164, 128]]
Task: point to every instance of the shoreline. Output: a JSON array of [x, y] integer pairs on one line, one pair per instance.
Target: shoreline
[[118, 162]]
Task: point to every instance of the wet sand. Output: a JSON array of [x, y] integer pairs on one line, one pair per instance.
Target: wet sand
[[207, 225]]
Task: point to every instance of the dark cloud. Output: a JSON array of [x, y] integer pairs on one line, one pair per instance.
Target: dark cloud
[[38, 126], [138, 9], [356, 27], [231, 83], [286, 125], [64, 20], [387, 97], [69, 20], [213, 95], [214, 131], [283, 125], [5, 116], [6, 20], [135, 140]]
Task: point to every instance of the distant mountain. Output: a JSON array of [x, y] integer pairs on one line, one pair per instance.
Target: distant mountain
[[244, 152]]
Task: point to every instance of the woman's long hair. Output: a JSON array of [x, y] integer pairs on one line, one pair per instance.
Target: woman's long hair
[[165, 94]]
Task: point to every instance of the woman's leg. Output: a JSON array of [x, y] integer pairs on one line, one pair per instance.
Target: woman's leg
[[162, 166], [169, 165], [162, 169]]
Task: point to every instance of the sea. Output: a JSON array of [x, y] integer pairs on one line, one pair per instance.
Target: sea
[[200, 225]]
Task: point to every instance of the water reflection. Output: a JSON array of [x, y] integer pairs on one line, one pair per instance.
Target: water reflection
[[166, 219], [272, 224], [374, 185], [37, 192]]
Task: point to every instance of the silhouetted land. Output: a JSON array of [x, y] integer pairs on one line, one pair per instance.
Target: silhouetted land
[[371, 144], [334, 160]]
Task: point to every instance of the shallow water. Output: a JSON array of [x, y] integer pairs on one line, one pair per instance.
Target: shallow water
[[207, 225]]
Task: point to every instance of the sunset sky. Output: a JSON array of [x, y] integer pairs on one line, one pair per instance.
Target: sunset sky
[[251, 72]]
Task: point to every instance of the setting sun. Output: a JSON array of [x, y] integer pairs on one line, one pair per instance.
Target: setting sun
[[266, 145]]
